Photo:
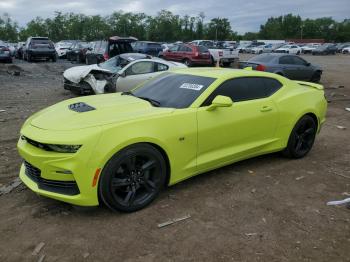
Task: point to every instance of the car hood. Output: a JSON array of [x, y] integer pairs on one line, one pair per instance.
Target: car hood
[[90, 111], [77, 73]]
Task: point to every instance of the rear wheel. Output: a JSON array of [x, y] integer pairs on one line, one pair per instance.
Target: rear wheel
[[301, 138], [187, 62], [132, 178]]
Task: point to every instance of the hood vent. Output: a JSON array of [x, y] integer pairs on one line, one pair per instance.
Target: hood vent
[[81, 107]]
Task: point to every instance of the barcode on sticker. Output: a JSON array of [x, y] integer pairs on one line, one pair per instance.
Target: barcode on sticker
[[191, 86]]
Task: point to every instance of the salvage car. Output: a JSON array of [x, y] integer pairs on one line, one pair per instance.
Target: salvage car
[[5, 54], [77, 52], [103, 50], [307, 49], [39, 48], [346, 50], [224, 55], [62, 47], [325, 49], [120, 73], [147, 47], [188, 54], [19, 51], [121, 149], [289, 49], [291, 66]]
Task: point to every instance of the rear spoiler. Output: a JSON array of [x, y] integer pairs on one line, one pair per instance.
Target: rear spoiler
[[309, 84]]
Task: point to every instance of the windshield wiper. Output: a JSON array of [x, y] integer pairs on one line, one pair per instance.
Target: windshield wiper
[[152, 101], [127, 93]]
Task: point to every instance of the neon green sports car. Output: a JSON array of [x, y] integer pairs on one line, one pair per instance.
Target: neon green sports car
[[123, 148]]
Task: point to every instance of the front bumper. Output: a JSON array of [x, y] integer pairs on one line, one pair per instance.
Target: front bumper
[[62, 176], [76, 88]]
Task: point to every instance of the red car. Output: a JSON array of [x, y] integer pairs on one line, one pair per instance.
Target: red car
[[188, 54]]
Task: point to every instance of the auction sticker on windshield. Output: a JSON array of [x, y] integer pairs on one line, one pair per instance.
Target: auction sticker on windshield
[[191, 86]]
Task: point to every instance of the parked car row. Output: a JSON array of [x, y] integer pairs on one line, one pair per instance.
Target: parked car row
[[192, 53]]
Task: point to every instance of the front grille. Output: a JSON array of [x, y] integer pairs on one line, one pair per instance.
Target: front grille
[[61, 187], [32, 172]]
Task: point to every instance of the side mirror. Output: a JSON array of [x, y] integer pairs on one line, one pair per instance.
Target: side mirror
[[220, 101], [89, 48], [123, 74], [308, 64]]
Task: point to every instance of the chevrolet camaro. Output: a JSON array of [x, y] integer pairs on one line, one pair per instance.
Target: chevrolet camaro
[[122, 148]]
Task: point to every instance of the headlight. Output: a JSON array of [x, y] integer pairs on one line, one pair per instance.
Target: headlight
[[64, 148], [52, 147]]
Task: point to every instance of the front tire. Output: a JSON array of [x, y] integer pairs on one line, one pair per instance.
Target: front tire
[[316, 77], [301, 138], [132, 178]]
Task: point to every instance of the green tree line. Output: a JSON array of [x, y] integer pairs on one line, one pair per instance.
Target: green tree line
[[166, 26]]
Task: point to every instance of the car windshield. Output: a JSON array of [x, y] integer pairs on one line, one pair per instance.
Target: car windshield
[[322, 47], [264, 58], [174, 90], [114, 64]]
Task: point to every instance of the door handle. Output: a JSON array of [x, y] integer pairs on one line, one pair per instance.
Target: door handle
[[266, 109]]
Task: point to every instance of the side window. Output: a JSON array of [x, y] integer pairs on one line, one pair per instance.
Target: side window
[[286, 60], [143, 67], [271, 86], [161, 67], [173, 48], [97, 45], [182, 48], [298, 61], [245, 88], [188, 49]]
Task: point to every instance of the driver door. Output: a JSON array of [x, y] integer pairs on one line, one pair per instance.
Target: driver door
[[228, 134], [134, 74]]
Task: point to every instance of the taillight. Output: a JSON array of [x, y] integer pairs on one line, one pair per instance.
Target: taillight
[[5, 49], [221, 53], [105, 56], [196, 54], [260, 68]]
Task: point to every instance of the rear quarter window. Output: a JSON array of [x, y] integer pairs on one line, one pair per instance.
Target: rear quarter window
[[245, 88], [203, 49]]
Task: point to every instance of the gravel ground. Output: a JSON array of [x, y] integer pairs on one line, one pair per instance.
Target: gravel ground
[[264, 209]]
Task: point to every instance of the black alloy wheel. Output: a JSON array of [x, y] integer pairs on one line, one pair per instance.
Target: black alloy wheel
[[133, 178], [302, 138]]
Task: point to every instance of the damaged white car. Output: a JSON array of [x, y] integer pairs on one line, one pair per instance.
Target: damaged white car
[[118, 74]]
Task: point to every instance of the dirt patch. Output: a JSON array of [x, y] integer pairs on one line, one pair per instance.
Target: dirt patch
[[265, 209]]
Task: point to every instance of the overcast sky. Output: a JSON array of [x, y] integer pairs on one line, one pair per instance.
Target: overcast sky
[[243, 15]]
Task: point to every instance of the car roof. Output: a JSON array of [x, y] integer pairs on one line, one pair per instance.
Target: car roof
[[122, 39], [223, 73]]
